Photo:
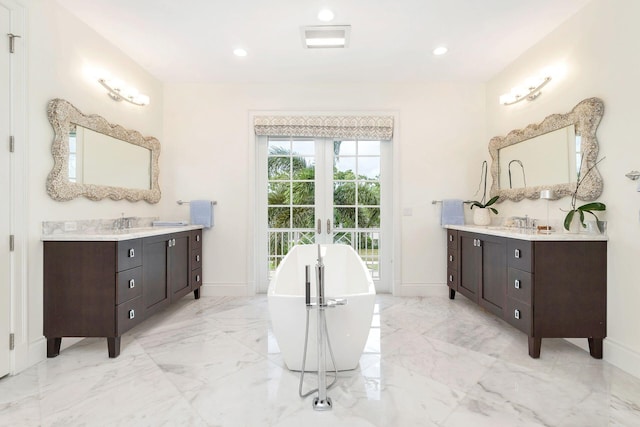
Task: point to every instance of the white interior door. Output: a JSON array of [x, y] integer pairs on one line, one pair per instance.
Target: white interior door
[[324, 191], [5, 191]]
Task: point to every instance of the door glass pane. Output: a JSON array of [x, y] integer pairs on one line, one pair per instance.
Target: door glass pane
[[368, 148], [303, 193], [344, 193], [345, 168], [303, 217], [278, 193], [279, 168], [369, 217], [369, 193], [369, 167], [279, 218], [344, 218]]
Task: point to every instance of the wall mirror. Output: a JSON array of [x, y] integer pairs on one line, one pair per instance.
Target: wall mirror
[[549, 155], [96, 159]]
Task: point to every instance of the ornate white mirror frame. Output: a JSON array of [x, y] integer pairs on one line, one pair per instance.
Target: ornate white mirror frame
[[586, 117], [62, 116]]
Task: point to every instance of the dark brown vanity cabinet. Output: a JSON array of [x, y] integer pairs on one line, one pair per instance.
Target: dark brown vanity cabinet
[[546, 289], [104, 288], [482, 274]]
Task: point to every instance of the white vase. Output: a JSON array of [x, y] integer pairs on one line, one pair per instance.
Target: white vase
[[575, 227], [481, 216]]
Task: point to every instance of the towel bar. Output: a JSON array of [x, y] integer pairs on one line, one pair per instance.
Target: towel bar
[[180, 202], [435, 202]]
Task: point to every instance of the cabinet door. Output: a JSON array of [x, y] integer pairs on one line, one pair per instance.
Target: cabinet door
[[155, 291], [493, 280], [179, 270], [470, 258]]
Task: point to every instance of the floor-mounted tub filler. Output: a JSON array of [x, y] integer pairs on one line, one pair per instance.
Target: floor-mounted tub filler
[[342, 295]]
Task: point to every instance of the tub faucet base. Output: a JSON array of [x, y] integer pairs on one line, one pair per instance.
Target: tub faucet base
[[322, 405]]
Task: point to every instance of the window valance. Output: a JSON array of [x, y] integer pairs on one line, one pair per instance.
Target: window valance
[[360, 127]]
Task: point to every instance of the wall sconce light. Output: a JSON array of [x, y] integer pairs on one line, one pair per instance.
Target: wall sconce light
[[118, 91], [530, 91]]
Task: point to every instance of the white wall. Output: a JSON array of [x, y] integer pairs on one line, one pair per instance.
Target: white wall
[[598, 49], [209, 154], [59, 50]]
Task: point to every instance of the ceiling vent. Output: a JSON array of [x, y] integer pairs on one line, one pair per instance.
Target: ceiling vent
[[325, 36]]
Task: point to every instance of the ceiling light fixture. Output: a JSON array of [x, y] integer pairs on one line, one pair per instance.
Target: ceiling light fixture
[[239, 52], [325, 36], [440, 50], [325, 15], [119, 91], [530, 91]]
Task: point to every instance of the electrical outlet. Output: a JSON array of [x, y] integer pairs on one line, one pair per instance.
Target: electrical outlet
[[70, 226]]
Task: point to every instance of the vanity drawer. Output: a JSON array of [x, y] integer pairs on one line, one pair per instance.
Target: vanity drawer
[[196, 259], [196, 239], [196, 279], [129, 254], [518, 315], [519, 285], [520, 254], [452, 279], [452, 259], [129, 284], [129, 314], [452, 239]]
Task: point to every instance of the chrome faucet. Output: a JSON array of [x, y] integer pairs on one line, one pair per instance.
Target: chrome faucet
[[123, 222]]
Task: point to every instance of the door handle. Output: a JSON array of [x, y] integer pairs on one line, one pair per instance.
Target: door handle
[[319, 230], [328, 226]]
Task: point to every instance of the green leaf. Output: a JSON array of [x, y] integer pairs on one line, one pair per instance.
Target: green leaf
[[494, 210], [594, 206], [568, 219], [582, 219], [492, 201]]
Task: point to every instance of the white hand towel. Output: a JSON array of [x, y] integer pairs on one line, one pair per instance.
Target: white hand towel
[[201, 213], [452, 212]]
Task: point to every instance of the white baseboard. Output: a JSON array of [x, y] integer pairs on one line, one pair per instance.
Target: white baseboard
[[622, 357], [615, 353], [421, 290], [224, 290], [29, 354]]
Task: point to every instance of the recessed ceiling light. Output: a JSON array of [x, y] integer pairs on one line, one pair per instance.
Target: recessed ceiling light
[[441, 50], [240, 52], [325, 15], [325, 36]]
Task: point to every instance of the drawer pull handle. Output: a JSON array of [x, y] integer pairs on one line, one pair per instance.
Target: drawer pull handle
[[517, 253], [450, 258], [516, 313], [516, 284], [197, 258], [450, 278], [451, 237], [132, 314], [197, 277], [197, 237], [132, 283], [132, 253]]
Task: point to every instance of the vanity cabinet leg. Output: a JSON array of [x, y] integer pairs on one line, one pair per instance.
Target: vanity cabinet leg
[[595, 347], [196, 293], [114, 346], [452, 293], [534, 347], [53, 346]]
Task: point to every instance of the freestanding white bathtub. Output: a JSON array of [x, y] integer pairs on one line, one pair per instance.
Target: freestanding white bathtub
[[346, 276]]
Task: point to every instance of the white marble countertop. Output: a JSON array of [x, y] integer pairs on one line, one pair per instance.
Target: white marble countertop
[[516, 233], [117, 235]]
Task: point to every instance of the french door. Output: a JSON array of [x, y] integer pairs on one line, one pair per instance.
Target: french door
[[324, 190]]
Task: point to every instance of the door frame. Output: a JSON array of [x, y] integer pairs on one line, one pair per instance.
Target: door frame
[[255, 211], [24, 354]]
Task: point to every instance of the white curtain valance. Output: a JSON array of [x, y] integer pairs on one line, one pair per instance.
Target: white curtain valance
[[375, 127]]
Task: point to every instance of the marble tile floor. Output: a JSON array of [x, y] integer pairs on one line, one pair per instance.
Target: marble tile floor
[[428, 362]]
